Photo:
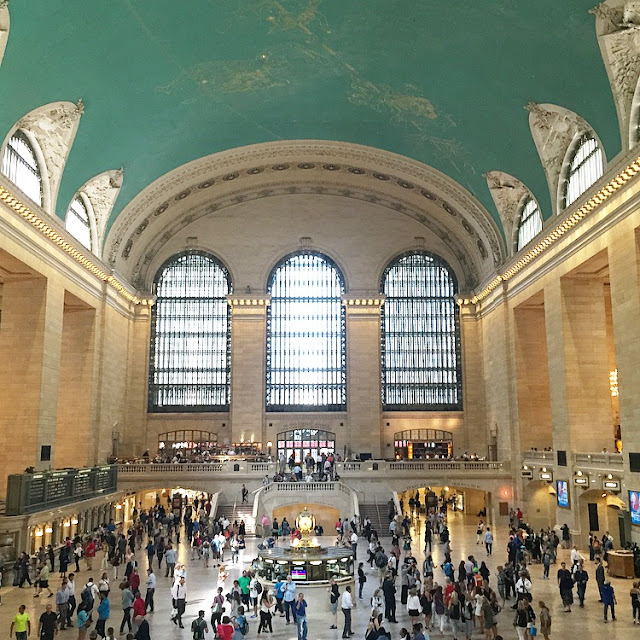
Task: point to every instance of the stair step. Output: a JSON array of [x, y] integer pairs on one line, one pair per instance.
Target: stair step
[[239, 513]]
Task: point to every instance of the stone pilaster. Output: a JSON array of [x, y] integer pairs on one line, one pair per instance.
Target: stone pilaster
[[364, 403], [248, 362]]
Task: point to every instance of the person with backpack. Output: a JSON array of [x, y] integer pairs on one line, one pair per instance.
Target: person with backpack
[[266, 603], [241, 625], [255, 591], [381, 561], [226, 629], [199, 626], [334, 596]]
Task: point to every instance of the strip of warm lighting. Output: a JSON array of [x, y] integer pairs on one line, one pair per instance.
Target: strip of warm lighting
[[249, 302], [49, 232], [555, 234]]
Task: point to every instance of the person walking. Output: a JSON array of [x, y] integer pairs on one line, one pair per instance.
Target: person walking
[[179, 595], [565, 584], [217, 609], [635, 602], [347, 605], [545, 620], [127, 604], [83, 622], [104, 610], [608, 600], [151, 589], [289, 597], [362, 578], [48, 624], [600, 578], [488, 540], [170, 561], [62, 604], [245, 494], [334, 596], [521, 620], [199, 626], [389, 592], [266, 603], [301, 617], [71, 605], [581, 578]]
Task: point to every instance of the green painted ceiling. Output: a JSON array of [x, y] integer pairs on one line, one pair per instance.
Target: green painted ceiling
[[441, 81]]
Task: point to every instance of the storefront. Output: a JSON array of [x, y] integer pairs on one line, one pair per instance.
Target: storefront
[[302, 442], [423, 444]]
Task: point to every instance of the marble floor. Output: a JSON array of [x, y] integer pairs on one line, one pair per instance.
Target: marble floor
[[582, 624]]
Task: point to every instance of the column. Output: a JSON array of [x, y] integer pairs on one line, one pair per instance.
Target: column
[[624, 272], [578, 365], [473, 388], [248, 362], [76, 388], [30, 343], [364, 404]]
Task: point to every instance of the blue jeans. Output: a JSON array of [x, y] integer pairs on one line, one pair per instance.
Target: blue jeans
[[289, 606], [301, 621]]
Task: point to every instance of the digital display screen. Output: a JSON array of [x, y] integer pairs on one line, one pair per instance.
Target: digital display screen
[[563, 493], [298, 573], [634, 506]]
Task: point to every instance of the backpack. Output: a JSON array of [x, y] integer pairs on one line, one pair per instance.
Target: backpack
[[197, 628], [258, 588], [244, 627], [381, 560]]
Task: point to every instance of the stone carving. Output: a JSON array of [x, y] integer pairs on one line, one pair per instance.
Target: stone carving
[[508, 193], [456, 245], [553, 129], [54, 127], [4, 27], [319, 161], [618, 29], [101, 191]]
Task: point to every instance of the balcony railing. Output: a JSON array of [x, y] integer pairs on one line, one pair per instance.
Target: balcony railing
[[539, 457], [606, 461]]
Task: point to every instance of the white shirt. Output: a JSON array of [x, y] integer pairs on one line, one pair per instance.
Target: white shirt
[[179, 591], [71, 588], [354, 538], [576, 556], [347, 602], [151, 581], [413, 602]]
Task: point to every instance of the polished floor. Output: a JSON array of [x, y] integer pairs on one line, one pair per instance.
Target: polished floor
[[582, 624]]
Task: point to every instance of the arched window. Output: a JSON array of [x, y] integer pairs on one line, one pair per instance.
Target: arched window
[[77, 221], [420, 335], [19, 164], [190, 355], [530, 223], [586, 167], [306, 356]]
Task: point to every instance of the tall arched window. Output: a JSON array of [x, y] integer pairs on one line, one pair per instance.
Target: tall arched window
[[529, 224], [586, 168], [190, 334], [77, 221], [306, 355], [420, 335], [20, 165]]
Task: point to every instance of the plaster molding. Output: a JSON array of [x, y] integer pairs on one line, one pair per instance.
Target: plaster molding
[[5, 25], [508, 193], [554, 129], [618, 31], [313, 162], [53, 127], [101, 191], [460, 247]]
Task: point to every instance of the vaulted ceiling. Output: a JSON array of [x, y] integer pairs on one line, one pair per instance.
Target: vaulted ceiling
[[443, 82]]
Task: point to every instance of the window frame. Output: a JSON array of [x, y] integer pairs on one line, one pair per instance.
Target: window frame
[[153, 407], [306, 408], [82, 198], [36, 170], [457, 350], [528, 199], [569, 172]]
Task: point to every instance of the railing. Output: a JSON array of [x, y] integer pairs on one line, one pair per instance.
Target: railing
[[347, 469], [303, 486], [539, 457], [600, 460]]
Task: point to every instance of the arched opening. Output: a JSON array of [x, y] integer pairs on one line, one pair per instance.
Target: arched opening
[[77, 220], [306, 346], [301, 443], [585, 166], [423, 444], [190, 336], [20, 165]]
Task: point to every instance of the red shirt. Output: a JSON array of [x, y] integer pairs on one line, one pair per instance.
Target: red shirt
[[225, 631], [90, 550], [448, 590], [134, 582], [139, 608]]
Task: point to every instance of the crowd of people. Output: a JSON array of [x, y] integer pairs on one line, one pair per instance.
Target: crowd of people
[[459, 596]]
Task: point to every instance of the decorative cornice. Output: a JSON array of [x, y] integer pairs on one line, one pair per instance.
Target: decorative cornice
[[600, 197], [350, 301], [49, 232], [312, 161], [247, 300]]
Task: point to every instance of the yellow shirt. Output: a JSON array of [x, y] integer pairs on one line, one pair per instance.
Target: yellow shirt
[[20, 622]]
